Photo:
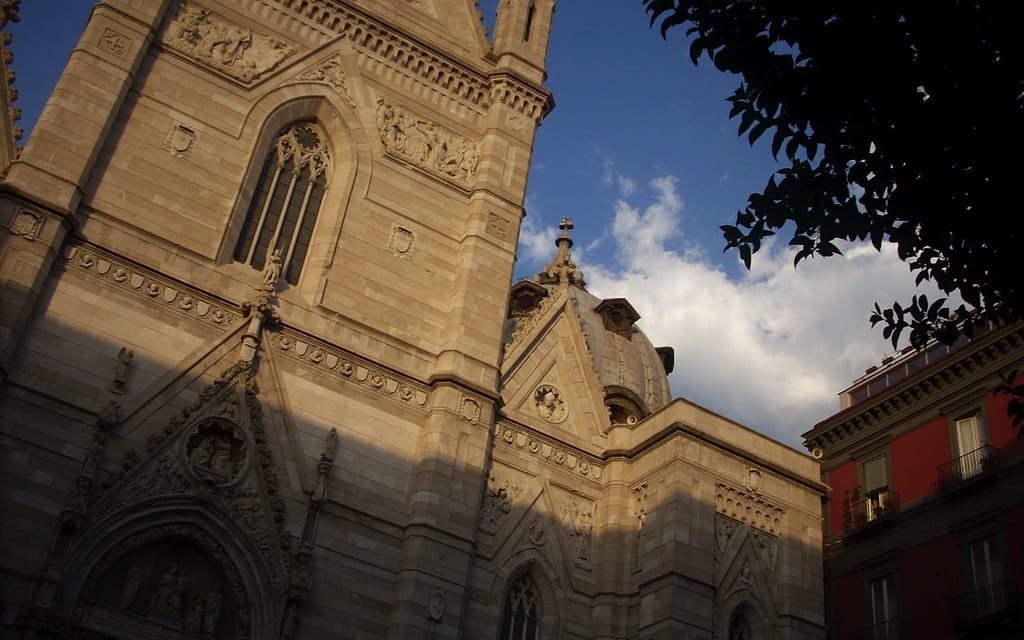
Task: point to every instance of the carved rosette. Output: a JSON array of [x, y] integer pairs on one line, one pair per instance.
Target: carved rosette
[[222, 45], [426, 144], [550, 404]]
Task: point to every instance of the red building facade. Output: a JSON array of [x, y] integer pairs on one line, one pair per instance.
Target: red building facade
[[924, 525]]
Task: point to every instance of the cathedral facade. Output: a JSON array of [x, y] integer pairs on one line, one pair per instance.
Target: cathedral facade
[[264, 373]]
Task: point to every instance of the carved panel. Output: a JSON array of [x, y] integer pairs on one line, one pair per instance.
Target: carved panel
[[27, 224], [224, 46], [497, 502], [114, 42], [425, 144], [331, 73]]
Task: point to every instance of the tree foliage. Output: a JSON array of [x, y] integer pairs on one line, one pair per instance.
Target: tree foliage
[[899, 122]]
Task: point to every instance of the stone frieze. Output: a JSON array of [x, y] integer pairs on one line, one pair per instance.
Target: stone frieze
[[222, 45], [510, 437], [148, 286]]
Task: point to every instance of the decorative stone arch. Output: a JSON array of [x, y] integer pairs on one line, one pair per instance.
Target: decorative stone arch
[[168, 533], [349, 149], [529, 562]]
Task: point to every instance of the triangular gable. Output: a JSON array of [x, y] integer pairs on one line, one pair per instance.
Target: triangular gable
[[549, 382]]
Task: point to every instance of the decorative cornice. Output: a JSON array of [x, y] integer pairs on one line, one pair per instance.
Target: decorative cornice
[[919, 391], [336, 362], [148, 286], [507, 435], [749, 508], [467, 86]]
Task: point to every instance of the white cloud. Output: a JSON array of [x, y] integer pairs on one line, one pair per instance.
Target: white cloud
[[610, 177], [536, 240], [771, 349]]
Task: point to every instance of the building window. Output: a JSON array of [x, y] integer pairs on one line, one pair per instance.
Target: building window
[[284, 207], [883, 621], [971, 453], [521, 620], [876, 487], [987, 594]]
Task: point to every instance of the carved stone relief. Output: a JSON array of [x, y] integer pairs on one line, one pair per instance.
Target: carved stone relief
[[526, 323], [753, 482], [331, 73], [180, 140], [426, 144], [578, 521], [230, 48], [27, 225], [497, 502], [436, 606], [536, 532], [768, 545], [724, 530], [640, 509], [550, 404], [400, 242], [470, 410], [498, 226], [114, 42], [216, 452], [124, 360]]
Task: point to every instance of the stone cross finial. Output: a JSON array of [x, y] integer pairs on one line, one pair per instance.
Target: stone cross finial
[[562, 269]]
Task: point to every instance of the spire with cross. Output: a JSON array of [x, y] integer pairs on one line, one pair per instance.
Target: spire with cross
[[562, 269]]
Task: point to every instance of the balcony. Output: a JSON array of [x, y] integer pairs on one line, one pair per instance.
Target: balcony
[[973, 469], [985, 609], [891, 629], [872, 512]]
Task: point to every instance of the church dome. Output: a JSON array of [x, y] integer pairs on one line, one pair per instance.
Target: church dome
[[632, 373]]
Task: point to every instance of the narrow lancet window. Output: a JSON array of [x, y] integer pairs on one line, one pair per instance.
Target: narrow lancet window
[[521, 620], [286, 201]]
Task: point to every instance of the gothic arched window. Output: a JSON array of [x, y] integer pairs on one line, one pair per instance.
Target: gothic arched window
[[521, 619], [284, 207], [739, 628]]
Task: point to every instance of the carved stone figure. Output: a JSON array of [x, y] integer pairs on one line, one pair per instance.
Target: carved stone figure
[[724, 528], [216, 452], [225, 46], [211, 615], [167, 600], [132, 580], [578, 523], [426, 144], [272, 272], [194, 618], [497, 502], [124, 359]]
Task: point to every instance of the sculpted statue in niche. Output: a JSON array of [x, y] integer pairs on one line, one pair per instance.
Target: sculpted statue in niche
[[167, 600], [578, 521], [550, 404], [124, 360], [216, 452], [168, 585]]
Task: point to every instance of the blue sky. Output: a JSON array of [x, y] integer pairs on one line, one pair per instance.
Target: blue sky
[[640, 153]]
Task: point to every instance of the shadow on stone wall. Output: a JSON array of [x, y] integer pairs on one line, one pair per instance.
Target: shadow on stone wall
[[153, 495]]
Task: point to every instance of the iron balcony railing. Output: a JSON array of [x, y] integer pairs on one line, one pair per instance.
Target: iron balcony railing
[[891, 629], [876, 506], [983, 603], [970, 465]]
